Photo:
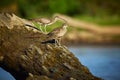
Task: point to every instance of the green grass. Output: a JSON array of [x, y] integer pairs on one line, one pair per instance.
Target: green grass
[[50, 27], [101, 20]]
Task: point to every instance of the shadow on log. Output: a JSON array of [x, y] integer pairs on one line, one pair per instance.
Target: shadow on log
[[26, 58]]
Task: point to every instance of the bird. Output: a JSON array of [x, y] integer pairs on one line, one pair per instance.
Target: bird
[[46, 21], [57, 33]]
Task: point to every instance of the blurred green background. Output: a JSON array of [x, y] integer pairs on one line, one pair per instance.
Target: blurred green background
[[100, 12]]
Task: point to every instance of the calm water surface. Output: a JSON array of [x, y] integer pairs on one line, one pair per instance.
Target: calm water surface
[[103, 62]]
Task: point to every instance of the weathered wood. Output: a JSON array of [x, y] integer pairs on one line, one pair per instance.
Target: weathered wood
[[26, 58]]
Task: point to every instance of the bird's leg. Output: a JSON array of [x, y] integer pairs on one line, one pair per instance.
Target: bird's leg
[[57, 42]]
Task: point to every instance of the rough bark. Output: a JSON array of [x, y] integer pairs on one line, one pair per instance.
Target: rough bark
[[26, 58]]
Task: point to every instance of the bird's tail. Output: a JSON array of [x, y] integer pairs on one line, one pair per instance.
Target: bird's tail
[[49, 41], [31, 26]]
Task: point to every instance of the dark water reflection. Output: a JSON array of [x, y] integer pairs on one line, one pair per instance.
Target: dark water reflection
[[103, 62]]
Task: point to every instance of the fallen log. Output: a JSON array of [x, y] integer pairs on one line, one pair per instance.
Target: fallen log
[[24, 56]]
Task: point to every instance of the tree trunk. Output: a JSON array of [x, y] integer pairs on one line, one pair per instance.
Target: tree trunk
[[26, 58]]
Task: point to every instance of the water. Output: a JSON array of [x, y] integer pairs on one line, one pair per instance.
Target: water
[[103, 62], [5, 75]]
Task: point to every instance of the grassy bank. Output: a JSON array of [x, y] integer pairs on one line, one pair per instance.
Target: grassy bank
[[101, 20]]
